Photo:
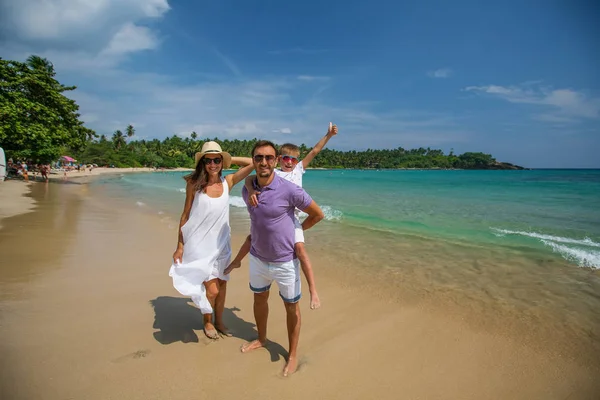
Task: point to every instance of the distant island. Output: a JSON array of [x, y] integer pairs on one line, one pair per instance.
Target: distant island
[[40, 125]]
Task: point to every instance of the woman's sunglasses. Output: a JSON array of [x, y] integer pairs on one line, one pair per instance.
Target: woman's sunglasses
[[259, 157], [291, 159], [207, 161]]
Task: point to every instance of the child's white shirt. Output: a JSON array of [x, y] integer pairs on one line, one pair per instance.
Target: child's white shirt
[[294, 176]]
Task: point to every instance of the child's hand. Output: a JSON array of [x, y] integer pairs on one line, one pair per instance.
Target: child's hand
[[333, 130], [253, 198], [234, 264]]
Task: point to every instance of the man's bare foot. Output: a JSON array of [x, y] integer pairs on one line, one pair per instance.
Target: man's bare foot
[[253, 345], [223, 330], [290, 366], [210, 331], [315, 302]]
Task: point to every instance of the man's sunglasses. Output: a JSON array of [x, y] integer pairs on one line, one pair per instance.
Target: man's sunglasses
[[259, 157], [207, 161], [291, 159]]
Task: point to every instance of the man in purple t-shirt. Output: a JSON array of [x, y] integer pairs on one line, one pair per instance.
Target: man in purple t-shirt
[[272, 256]]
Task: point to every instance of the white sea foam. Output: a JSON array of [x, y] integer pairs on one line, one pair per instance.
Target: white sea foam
[[237, 201], [161, 212], [331, 214], [583, 258], [582, 242], [181, 190], [140, 204], [580, 251]]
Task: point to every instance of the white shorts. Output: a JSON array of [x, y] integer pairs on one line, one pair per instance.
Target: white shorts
[[298, 231], [286, 274], [218, 268]]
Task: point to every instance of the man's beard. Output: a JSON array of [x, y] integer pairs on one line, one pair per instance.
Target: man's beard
[[265, 174]]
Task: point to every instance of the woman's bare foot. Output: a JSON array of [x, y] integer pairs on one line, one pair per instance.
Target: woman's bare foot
[[290, 366], [315, 302], [223, 330], [253, 345], [210, 331]]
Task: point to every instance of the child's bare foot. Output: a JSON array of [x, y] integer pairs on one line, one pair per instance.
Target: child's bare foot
[[253, 345], [315, 302], [223, 330], [290, 366]]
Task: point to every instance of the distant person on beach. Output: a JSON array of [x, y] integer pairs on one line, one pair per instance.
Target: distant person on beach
[[272, 255], [44, 169], [204, 244], [292, 169]]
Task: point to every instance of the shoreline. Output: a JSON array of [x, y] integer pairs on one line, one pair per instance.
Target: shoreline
[[14, 200], [114, 327]]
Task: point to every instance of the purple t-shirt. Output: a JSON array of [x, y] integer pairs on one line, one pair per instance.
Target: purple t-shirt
[[272, 222]]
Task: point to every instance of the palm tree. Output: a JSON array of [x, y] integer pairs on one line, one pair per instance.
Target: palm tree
[[118, 140], [39, 63], [130, 130], [173, 153], [194, 135]]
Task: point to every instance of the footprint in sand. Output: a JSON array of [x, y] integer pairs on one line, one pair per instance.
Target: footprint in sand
[[132, 356]]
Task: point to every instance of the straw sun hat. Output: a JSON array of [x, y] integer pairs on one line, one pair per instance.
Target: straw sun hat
[[214, 148]]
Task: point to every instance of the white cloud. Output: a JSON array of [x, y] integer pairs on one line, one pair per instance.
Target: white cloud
[[312, 78], [565, 105], [131, 38], [282, 130], [79, 31], [440, 73]]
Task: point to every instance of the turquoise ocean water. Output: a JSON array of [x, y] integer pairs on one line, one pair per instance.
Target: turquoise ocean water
[[554, 213]]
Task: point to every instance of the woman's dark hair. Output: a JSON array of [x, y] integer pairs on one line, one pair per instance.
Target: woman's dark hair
[[199, 178]]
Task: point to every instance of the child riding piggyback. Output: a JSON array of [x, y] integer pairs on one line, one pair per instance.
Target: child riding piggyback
[[291, 168]]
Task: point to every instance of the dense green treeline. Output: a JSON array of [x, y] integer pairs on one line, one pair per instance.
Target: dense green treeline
[[175, 151]]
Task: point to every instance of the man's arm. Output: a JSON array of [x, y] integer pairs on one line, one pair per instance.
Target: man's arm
[[315, 214], [319, 146]]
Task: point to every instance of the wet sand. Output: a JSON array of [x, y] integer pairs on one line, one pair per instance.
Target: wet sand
[[87, 311], [14, 199]]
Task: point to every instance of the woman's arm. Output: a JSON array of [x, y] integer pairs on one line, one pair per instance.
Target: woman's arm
[[241, 161], [190, 191], [242, 173]]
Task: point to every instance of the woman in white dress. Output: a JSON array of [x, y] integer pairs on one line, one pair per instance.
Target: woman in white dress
[[204, 243]]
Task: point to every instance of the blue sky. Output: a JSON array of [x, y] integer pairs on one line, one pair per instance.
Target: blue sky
[[517, 79]]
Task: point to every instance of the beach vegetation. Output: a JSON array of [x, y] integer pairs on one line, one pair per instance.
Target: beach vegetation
[[175, 151], [37, 119]]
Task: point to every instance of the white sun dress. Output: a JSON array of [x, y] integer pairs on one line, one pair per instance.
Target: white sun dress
[[206, 247]]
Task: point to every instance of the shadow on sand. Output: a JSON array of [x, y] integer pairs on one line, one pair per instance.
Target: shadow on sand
[[177, 319]]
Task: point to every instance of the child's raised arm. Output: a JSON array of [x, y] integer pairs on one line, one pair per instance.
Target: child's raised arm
[[333, 130]]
